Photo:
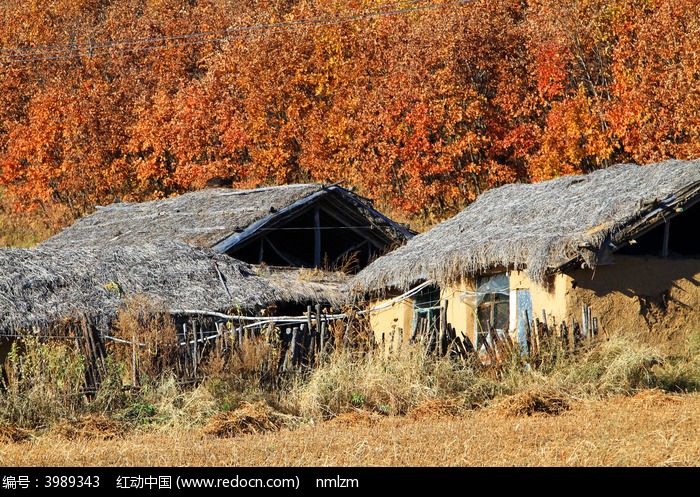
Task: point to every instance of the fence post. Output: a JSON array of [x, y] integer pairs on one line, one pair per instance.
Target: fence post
[[443, 328], [134, 361]]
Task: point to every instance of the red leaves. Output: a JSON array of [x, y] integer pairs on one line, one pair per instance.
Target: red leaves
[[550, 70], [423, 110]]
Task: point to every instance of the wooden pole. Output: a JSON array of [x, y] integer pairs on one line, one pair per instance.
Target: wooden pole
[[186, 349], [595, 327], [528, 333], [589, 325], [194, 349], [391, 339], [544, 319], [82, 346], [313, 333], [221, 337], [443, 328], [317, 236], [319, 329], [134, 361], [414, 332], [293, 348], [569, 337]]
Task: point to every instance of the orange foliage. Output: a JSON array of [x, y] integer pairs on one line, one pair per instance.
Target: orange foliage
[[423, 108]]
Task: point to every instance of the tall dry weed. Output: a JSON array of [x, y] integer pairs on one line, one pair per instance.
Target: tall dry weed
[[149, 345], [247, 369], [679, 371], [614, 366], [44, 383], [372, 381]]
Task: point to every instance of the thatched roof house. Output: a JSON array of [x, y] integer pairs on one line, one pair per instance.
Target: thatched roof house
[[621, 243], [212, 250], [305, 225], [543, 227], [41, 287]]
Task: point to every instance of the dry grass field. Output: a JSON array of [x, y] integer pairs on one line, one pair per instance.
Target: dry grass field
[[625, 401], [649, 429]]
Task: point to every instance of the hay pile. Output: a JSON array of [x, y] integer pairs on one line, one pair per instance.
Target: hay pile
[[537, 227], [436, 408], [89, 428], [531, 402], [12, 434], [250, 418]]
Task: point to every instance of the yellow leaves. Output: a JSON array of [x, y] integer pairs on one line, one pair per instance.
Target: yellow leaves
[[426, 109]]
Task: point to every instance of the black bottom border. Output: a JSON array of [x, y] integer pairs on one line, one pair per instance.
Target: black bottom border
[[303, 480]]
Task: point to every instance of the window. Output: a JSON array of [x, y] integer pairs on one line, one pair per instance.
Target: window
[[493, 312], [492, 306], [426, 313]]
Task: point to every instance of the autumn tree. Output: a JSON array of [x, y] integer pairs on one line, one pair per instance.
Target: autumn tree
[[421, 105]]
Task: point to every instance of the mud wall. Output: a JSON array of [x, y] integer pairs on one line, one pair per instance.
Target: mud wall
[[639, 293]]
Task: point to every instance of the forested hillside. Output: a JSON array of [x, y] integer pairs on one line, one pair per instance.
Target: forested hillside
[[421, 105]]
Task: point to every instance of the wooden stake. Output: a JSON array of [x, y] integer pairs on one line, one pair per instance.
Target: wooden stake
[[589, 331], [544, 318], [528, 333], [569, 336], [195, 358], [443, 328], [313, 334], [324, 342], [391, 339], [134, 361], [595, 327], [293, 351]]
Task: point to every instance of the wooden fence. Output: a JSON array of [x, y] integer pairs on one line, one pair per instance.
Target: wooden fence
[[542, 335], [296, 345]]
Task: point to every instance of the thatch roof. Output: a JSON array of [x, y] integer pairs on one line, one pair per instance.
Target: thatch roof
[[40, 287], [216, 217], [540, 227], [306, 286]]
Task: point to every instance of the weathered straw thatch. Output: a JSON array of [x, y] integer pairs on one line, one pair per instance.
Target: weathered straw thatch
[[209, 217], [202, 217], [540, 227], [40, 287], [306, 286]]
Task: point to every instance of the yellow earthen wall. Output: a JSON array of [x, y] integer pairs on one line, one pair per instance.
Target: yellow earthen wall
[[639, 294], [398, 316], [634, 293]]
